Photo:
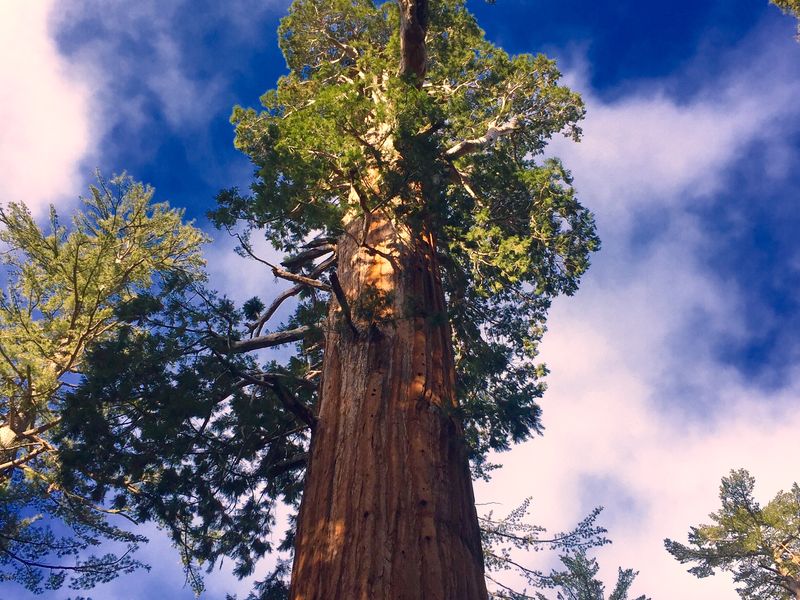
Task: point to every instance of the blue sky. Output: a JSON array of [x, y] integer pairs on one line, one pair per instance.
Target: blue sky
[[676, 361]]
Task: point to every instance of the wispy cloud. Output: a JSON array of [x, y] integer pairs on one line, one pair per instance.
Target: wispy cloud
[[143, 53], [135, 63]]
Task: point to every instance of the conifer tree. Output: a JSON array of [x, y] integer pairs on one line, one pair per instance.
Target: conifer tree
[[64, 291], [760, 546], [578, 581], [399, 165]]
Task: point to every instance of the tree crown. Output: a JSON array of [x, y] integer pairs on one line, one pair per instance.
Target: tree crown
[[759, 545], [62, 295], [344, 136]]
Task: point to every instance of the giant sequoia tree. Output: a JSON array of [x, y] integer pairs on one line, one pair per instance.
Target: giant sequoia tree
[[399, 165]]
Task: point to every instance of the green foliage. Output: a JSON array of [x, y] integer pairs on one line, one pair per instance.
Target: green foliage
[[32, 520], [502, 537], [760, 546], [65, 291], [343, 137], [198, 446], [578, 581]]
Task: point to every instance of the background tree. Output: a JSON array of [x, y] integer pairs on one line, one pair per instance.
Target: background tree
[[760, 546], [578, 581], [62, 294], [791, 7], [399, 165]]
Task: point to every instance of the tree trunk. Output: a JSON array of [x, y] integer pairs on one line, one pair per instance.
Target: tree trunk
[[388, 511]]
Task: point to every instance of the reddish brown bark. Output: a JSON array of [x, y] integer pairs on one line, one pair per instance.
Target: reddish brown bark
[[388, 511]]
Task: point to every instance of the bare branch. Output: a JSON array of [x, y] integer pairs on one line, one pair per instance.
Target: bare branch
[[258, 325], [294, 263], [270, 340], [494, 133], [286, 294], [301, 279], [11, 464]]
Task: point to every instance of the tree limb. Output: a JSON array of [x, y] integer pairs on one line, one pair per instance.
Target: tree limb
[[281, 467], [292, 291], [301, 279], [289, 401], [293, 405], [342, 299], [269, 340], [494, 133], [294, 263]]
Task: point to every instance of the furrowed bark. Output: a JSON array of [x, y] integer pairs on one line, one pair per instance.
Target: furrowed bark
[[388, 510]]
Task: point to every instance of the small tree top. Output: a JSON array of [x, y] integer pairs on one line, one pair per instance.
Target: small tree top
[[759, 545]]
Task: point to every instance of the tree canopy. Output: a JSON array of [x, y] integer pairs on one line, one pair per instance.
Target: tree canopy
[[343, 137], [65, 291], [760, 546]]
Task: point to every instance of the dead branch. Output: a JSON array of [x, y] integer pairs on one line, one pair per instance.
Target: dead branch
[[296, 262], [494, 133], [269, 340]]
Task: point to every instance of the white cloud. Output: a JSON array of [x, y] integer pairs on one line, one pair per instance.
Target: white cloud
[[159, 69], [641, 416], [649, 148], [125, 81], [44, 111]]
